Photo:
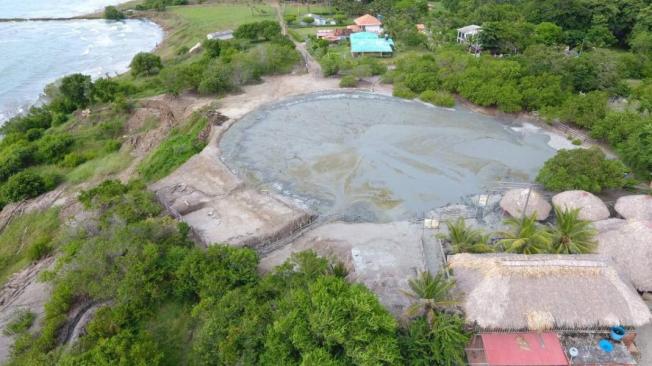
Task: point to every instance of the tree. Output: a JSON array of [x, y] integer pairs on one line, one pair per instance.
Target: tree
[[548, 33], [430, 294], [571, 235], [465, 239], [145, 64], [637, 151], [526, 236], [112, 13], [212, 47], [585, 169], [441, 343], [77, 89], [541, 91]]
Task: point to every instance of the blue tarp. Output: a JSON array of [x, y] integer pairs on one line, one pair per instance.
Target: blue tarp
[[368, 42]]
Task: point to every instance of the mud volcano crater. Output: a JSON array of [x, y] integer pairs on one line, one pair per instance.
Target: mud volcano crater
[[378, 158]]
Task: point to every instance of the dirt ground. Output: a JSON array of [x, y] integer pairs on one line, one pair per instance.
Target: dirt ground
[[23, 292], [381, 256]]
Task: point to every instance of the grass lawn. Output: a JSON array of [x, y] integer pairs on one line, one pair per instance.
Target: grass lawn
[[18, 238], [301, 9], [187, 25]]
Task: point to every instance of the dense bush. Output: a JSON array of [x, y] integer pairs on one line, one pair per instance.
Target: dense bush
[[348, 81], [145, 63], [77, 90], [266, 30], [584, 169], [113, 13], [24, 185], [439, 98], [212, 47], [330, 64]]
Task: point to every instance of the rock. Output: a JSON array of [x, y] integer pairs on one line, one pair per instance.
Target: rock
[[195, 49], [637, 206], [591, 207], [514, 202]]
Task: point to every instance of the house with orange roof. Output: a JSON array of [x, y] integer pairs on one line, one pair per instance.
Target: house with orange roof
[[369, 23]]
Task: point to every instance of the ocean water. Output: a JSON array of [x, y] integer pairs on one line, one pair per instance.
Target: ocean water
[[378, 157], [51, 8], [36, 53]]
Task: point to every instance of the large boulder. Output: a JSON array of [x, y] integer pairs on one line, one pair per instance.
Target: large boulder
[[514, 202], [629, 244], [637, 206], [591, 207]]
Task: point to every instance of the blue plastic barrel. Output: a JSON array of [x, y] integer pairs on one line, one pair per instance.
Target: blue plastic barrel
[[605, 345], [617, 333]]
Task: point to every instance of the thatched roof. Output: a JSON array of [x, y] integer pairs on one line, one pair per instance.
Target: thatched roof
[[537, 292], [638, 206], [629, 244], [591, 207], [514, 202]]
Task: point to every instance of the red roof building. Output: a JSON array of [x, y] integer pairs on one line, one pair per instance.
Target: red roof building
[[367, 20], [517, 349]]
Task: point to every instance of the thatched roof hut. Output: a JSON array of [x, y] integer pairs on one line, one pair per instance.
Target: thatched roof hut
[[629, 244], [516, 200], [537, 292], [591, 207], [638, 206]]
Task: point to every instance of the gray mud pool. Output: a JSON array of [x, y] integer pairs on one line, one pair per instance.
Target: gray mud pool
[[378, 158]]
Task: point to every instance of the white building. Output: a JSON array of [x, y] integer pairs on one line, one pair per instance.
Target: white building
[[468, 34]]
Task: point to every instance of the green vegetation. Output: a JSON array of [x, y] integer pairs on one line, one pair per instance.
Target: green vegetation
[[464, 239], [572, 235], [349, 81], [181, 144], [438, 98], [145, 64], [20, 323], [191, 24], [113, 13], [585, 169], [27, 238], [175, 304], [526, 236]]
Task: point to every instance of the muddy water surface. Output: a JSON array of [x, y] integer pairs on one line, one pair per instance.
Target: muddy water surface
[[377, 157]]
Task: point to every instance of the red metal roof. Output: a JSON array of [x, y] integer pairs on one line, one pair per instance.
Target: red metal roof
[[523, 349], [367, 20]]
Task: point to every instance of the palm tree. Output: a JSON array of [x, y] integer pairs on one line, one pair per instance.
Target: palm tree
[[526, 237], [431, 293], [465, 239], [571, 235]]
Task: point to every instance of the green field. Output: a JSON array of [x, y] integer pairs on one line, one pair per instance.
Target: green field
[[190, 24], [302, 9]]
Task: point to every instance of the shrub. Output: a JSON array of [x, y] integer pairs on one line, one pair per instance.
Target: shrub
[[308, 20], [39, 249], [20, 323], [212, 47], [438, 98], [105, 90], [330, 64], [145, 63], [290, 18], [340, 19], [23, 185], [73, 159], [267, 30], [584, 169], [402, 91], [216, 78], [52, 148], [113, 13], [77, 90], [349, 81]]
